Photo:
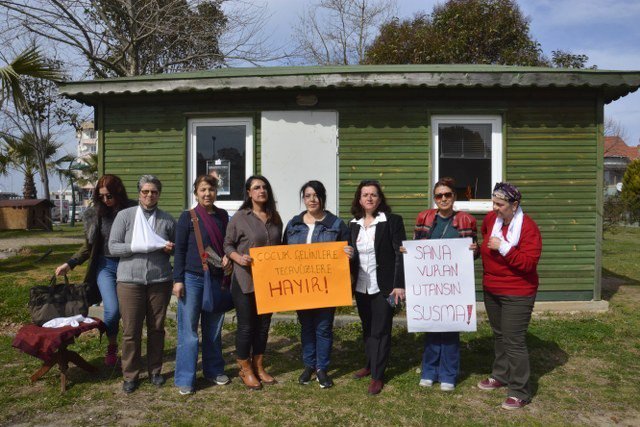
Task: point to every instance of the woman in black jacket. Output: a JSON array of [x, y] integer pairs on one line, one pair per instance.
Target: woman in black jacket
[[109, 198], [378, 277]]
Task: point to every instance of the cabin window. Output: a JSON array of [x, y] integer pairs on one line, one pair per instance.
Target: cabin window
[[469, 149], [223, 147]]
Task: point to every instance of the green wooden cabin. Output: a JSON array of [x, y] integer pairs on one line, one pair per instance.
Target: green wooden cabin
[[405, 125]]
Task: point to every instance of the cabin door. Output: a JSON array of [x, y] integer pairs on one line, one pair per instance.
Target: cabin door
[[297, 146]]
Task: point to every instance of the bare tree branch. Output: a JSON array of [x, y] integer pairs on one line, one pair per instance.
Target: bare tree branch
[[338, 31], [134, 37]]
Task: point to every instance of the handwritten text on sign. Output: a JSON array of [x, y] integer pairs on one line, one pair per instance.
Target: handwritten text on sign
[[298, 277], [440, 289]]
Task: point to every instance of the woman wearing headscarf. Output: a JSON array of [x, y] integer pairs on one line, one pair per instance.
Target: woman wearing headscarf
[[257, 223], [378, 275], [441, 357], [142, 236], [189, 285], [511, 248], [109, 198], [314, 225]]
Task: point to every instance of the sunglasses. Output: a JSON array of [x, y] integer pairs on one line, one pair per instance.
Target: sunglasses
[[107, 196], [440, 196], [153, 192]]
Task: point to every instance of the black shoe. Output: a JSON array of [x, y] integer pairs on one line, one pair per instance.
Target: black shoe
[[305, 377], [129, 386], [157, 379], [324, 379]]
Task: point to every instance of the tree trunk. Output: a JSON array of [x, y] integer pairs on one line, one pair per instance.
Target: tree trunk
[[29, 190], [44, 177]]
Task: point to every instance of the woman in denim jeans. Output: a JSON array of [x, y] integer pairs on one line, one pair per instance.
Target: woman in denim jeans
[[316, 225], [188, 287], [109, 198], [441, 356]]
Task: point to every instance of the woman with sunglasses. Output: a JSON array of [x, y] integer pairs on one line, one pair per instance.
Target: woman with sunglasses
[[378, 275], [142, 236], [109, 198], [257, 223], [441, 357]]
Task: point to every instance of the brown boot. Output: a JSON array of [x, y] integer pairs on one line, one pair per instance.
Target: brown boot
[[247, 376], [259, 370]]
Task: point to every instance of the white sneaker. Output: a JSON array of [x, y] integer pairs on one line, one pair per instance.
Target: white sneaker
[[185, 391], [426, 383], [447, 387]]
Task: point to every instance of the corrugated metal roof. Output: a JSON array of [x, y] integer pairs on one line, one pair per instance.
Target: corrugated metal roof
[[614, 84]]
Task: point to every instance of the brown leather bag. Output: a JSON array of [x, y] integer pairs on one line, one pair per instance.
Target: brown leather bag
[[57, 300]]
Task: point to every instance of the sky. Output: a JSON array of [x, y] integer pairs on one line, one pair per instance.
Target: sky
[[608, 31]]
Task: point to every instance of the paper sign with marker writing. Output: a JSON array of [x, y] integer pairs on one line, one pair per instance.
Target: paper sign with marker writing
[[440, 285], [299, 277]]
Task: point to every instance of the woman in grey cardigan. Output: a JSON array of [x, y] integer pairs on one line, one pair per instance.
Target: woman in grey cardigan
[[142, 236]]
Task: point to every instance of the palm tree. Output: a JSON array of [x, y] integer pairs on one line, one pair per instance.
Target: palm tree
[[28, 63], [87, 170], [18, 153]]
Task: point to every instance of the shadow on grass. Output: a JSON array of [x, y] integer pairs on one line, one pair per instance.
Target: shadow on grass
[[544, 358], [36, 255], [611, 282]]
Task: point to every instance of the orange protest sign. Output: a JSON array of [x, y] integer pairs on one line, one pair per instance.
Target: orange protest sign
[[298, 277]]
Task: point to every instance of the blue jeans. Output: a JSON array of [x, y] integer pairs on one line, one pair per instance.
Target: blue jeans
[[189, 313], [441, 358], [106, 277], [317, 336]]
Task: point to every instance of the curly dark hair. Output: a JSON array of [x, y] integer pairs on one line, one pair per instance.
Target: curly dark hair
[[270, 207], [357, 210], [114, 185]]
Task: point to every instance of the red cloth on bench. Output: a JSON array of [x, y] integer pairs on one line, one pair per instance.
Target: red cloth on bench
[[44, 342]]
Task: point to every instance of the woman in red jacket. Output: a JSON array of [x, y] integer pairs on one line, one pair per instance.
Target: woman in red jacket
[[441, 356], [510, 251]]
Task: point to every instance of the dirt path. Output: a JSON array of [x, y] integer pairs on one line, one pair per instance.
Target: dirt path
[[10, 247]]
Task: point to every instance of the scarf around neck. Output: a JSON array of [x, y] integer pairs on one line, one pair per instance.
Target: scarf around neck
[[211, 227], [513, 231]]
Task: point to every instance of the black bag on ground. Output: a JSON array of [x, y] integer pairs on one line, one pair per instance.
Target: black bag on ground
[[57, 300]]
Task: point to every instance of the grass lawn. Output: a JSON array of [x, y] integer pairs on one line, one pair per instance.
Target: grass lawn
[[584, 370], [59, 230]]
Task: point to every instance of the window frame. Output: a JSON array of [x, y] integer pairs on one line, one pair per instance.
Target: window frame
[[497, 154], [230, 205]]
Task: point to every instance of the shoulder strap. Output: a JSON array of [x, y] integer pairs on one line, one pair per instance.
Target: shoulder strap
[[196, 230]]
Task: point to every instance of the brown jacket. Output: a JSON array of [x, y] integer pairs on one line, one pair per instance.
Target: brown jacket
[[245, 230]]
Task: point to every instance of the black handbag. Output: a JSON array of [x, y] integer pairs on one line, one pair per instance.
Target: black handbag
[[57, 300]]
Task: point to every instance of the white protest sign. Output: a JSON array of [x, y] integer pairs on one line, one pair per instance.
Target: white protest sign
[[440, 285]]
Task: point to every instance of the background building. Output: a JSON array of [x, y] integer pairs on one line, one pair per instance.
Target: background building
[[617, 156]]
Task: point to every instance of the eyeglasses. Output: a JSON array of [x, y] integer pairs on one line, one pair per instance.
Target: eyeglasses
[[107, 196], [153, 192], [440, 196]]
